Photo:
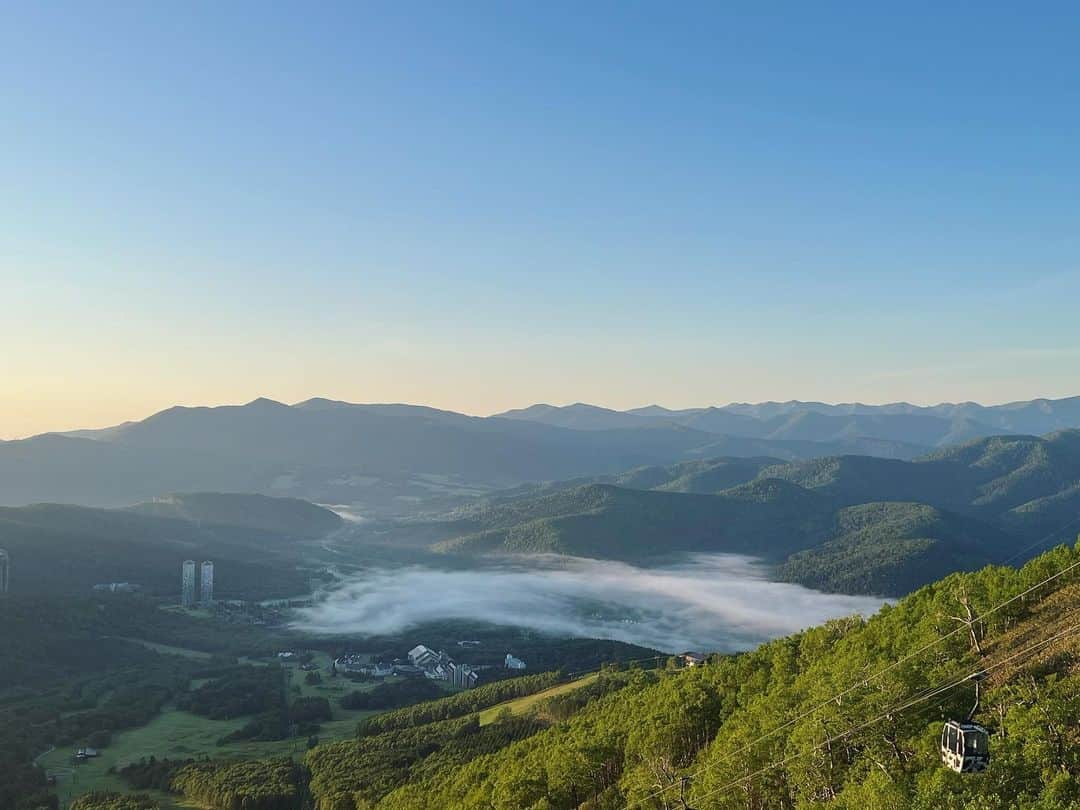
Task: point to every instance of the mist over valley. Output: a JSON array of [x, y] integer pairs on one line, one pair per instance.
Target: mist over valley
[[715, 602]]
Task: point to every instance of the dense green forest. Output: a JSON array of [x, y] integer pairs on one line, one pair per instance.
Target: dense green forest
[[240, 785], [109, 800], [428, 740], [392, 695], [893, 548], [236, 692], [985, 477], [247, 785]]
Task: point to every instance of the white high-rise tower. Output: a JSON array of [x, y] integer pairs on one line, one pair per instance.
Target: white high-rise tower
[[187, 584], [206, 584]]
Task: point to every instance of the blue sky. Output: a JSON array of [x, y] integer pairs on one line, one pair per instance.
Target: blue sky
[[479, 206]]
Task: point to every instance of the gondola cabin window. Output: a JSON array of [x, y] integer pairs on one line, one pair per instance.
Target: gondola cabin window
[[965, 747]]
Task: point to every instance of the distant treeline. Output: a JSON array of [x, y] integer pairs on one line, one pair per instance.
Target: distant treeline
[[237, 692], [392, 695], [110, 800], [417, 745]]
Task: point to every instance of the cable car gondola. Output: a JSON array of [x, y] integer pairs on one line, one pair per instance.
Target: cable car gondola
[[965, 746]]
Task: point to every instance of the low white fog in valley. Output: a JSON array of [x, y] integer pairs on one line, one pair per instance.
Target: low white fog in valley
[[710, 602]]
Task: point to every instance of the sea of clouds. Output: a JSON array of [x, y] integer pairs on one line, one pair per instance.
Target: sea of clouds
[[718, 602]]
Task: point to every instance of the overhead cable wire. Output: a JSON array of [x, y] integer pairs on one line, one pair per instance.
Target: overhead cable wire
[[873, 677]]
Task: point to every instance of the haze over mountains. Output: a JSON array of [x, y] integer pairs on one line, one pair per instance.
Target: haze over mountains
[[397, 458]]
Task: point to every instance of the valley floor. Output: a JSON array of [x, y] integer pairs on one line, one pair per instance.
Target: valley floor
[[177, 734]]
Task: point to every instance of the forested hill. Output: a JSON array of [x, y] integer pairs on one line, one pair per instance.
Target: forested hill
[[701, 476], [600, 520], [988, 477], [253, 541], [288, 516], [854, 524], [848, 715]]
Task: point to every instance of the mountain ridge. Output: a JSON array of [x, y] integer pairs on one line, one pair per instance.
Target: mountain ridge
[[854, 524], [393, 459], [934, 425], [384, 457]]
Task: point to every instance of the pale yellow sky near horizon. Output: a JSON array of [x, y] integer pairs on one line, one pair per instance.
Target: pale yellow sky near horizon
[[95, 359], [88, 355]]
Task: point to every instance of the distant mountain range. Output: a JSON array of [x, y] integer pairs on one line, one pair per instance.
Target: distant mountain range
[[400, 458], [842, 511], [847, 523], [933, 426]]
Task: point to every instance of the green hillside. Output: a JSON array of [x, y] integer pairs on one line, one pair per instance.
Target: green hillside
[[894, 548], [767, 728], [600, 520], [1044, 515], [852, 524], [987, 477], [713, 475], [702, 476]]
